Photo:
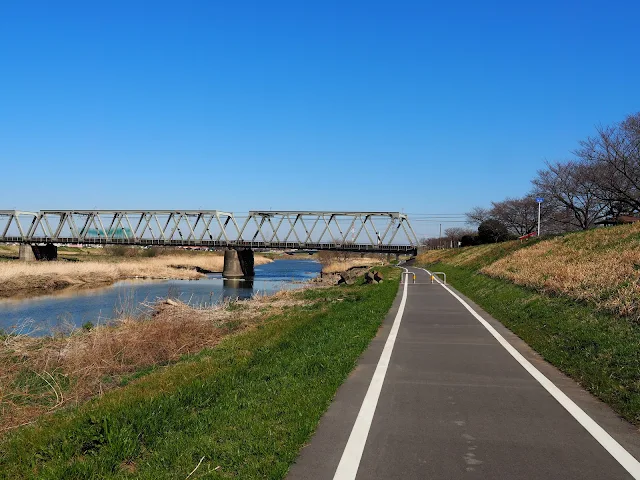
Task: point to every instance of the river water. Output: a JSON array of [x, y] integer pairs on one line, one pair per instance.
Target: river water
[[62, 310]]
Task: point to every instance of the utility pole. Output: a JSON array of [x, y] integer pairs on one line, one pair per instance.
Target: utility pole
[[440, 237], [539, 200]]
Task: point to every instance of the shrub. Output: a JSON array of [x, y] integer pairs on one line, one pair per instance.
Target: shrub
[[468, 240], [492, 231]]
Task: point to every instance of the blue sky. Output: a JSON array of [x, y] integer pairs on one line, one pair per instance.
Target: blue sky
[[416, 106]]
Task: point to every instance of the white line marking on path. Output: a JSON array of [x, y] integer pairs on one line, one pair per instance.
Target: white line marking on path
[[350, 460], [616, 450]]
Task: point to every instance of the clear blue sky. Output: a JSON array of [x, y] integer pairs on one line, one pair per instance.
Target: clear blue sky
[[429, 107]]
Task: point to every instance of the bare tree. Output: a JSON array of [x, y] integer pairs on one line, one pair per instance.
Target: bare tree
[[477, 215], [519, 215], [571, 194], [604, 180], [430, 242], [615, 152], [454, 234]]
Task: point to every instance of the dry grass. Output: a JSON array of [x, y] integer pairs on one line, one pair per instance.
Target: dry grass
[[601, 266], [21, 278], [433, 256], [472, 257], [40, 375], [344, 265], [337, 262]]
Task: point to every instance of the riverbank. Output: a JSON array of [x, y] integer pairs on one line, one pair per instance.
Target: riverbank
[[338, 262], [39, 374], [24, 279], [334, 262], [242, 409], [339, 266], [573, 299]]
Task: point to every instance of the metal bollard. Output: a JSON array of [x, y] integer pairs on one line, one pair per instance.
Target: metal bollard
[[407, 273], [444, 277]]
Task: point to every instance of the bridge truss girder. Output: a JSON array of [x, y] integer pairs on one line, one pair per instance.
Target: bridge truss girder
[[355, 231], [281, 226]]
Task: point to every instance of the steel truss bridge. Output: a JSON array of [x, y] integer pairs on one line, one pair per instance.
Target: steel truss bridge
[[381, 232]]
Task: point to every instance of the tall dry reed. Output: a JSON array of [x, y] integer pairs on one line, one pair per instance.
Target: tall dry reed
[[40, 375], [28, 277]]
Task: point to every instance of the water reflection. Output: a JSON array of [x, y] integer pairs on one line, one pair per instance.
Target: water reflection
[[133, 296], [233, 283]]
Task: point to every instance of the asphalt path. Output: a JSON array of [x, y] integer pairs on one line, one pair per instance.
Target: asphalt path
[[437, 395]]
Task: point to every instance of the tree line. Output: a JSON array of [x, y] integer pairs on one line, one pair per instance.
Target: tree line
[[600, 182]]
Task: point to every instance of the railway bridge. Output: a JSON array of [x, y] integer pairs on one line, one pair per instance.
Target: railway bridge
[[40, 233]]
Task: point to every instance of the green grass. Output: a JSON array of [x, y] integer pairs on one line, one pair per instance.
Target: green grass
[[246, 406], [599, 350], [34, 388]]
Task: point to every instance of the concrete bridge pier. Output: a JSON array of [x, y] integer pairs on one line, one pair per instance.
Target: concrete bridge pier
[[31, 253], [392, 256], [238, 263], [26, 253]]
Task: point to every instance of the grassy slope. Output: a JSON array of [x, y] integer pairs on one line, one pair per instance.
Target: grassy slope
[[598, 349], [600, 267], [246, 406]]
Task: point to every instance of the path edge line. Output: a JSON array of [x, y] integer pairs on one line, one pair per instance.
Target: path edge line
[[352, 454], [617, 451]]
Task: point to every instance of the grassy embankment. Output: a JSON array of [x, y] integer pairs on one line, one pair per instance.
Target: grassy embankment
[[95, 267], [575, 299], [240, 410]]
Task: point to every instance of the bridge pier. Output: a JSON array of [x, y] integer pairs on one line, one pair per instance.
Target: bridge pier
[[46, 252], [26, 253], [238, 263], [31, 253]]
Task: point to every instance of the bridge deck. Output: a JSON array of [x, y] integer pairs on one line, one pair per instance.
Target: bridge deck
[[219, 244]]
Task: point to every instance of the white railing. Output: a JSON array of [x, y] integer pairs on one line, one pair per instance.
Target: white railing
[[408, 274], [444, 277]]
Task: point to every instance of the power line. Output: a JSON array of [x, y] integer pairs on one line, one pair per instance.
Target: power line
[[438, 214], [438, 221]]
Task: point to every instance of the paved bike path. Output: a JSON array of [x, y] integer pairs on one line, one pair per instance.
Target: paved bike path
[[456, 404]]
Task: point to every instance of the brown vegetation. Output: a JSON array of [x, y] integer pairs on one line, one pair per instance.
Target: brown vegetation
[[471, 257], [40, 375], [22, 278], [336, 262], [601, 266]]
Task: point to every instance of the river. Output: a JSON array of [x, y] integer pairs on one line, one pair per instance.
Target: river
[[73, 308]]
